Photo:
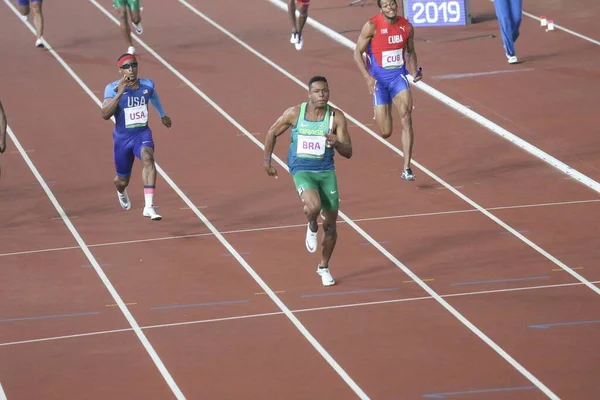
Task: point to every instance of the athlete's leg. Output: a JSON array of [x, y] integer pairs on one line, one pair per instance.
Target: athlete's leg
[[307, 189], [311, 209], [144, 150], [303, 10], [506, 26], [516, 15], [23, 6], [330, 204], [121, 7], [136, 17], [382, 104], [292, 14], [38, 20], [123, 159], [403, 103]]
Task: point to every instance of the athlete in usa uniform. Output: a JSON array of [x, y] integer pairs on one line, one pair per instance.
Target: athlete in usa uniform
[[387, 40], [127, 100], [318, 130]]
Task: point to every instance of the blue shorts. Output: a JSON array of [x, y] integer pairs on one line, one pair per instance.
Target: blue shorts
[[387, 89], [127, 147], [26, 2]]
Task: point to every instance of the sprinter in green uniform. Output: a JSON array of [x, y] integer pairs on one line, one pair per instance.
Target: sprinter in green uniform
[[317, 131], [126, 9]]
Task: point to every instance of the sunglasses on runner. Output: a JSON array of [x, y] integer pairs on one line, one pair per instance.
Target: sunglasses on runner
[[129, 65]]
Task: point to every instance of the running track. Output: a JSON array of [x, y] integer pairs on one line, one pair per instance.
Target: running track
[[476, 281]]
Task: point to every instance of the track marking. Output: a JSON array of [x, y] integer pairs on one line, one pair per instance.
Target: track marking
[[115, 295], [462, 109], [113, 292], [307, 335], [2, 394], [439, 95], [269, 228], [115, 305], [508, 358], [326, 308]]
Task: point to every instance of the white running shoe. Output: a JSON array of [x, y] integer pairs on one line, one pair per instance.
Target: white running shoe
[[294, 38], [311, 239], [300, 42], [326, 277], [139, 29], [40, 43], [512, 59], [131, 50], [24, 18], [151, 213], [124, 200]]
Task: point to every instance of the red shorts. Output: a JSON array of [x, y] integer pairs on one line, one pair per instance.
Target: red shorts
[[303, 2]]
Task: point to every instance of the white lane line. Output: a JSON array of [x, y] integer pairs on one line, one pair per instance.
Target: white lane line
[[303, 310], [467, 112], [308, 336], [270, 228], [386, 143], [365, 235], [113, 292]]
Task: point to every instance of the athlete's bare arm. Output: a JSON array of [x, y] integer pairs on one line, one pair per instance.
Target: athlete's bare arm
[[283, 123], [340, 139], [411, 55], [366, 34], [109, 106], [3, 125]]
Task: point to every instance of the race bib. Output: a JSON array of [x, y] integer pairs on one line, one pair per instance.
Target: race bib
[[136, 116], [311, 146], [392, 59]]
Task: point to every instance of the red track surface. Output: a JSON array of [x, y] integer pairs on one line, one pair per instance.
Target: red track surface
[[235, 342]]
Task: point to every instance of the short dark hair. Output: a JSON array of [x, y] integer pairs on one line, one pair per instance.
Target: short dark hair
[[379, 3], [317, 79]]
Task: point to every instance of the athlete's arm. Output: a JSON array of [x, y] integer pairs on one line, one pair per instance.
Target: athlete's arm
[[155, 101], [367, 33], [285, 121], [2, 129], [111, 100], [411, 54], [341, 142]]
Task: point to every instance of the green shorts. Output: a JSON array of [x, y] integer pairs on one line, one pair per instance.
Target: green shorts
[[134, 5], [325, 183]]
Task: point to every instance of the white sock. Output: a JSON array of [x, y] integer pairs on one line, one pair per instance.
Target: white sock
[[149, 196]]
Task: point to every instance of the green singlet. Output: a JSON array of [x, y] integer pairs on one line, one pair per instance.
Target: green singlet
[[134, 5]]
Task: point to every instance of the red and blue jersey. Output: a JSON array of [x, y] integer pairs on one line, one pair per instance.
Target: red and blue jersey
[[385, 52]]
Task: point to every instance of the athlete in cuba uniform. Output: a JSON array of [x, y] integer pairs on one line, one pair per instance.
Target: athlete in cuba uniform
[[387, 40], [127, 100], [317, 131]]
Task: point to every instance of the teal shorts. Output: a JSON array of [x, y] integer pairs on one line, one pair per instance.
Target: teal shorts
[[134, 5], [325, 183]]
